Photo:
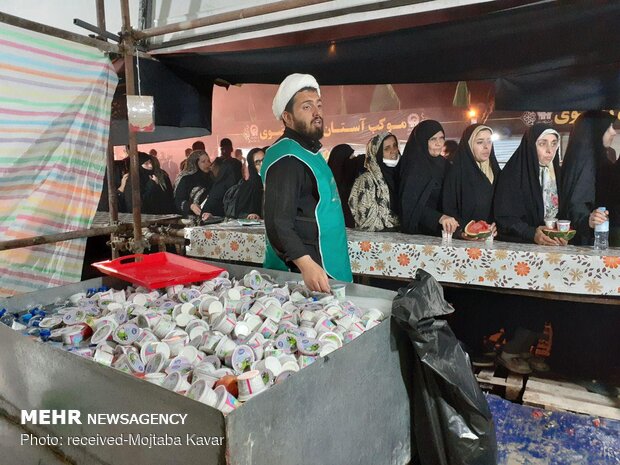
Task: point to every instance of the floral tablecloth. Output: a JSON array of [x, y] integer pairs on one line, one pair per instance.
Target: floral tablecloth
[[575, 270]]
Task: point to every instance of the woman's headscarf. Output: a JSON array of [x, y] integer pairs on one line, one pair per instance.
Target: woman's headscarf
[[344, 172], [145, 179], [160, 174], [225, 176], [199, 189], [191, 166], [518, 205], [390, 174], [469, 185], [420, 173], [581, 170], [250, 194], [370, 200]]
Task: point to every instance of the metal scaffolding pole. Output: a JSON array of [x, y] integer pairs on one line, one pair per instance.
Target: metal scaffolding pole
[[51, 238], [127, 47], [55, 32], [225, 17]]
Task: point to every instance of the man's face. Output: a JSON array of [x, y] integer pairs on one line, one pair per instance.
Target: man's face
[[226, 150], [307, 115]]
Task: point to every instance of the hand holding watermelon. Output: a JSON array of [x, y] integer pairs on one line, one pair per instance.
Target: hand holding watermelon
[[546, 236], [478, 231]]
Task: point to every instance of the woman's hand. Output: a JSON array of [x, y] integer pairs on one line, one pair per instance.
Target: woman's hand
[[124, 179], [469, 238], [597, 217], [195, 209], [542, 239], [253, 216], [448, 223], [465, 237]]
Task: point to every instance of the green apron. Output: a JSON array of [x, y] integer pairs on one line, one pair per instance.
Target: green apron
[[329, 218]]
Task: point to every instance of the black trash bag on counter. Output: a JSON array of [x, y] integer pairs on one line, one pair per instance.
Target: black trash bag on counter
[[452, 422]]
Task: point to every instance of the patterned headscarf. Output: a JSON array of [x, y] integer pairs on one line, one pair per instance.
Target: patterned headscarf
[[370, 197]]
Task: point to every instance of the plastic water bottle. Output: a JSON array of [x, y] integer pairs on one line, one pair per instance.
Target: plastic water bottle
[[601, 233]]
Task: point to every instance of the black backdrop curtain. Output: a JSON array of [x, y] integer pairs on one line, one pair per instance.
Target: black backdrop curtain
[[572, 39]]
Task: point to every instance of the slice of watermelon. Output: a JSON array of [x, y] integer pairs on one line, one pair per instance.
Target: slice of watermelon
[[553, 233], [477, 229]]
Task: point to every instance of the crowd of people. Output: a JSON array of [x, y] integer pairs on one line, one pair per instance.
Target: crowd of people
[[228, 186], [435, 185], [432, 187]]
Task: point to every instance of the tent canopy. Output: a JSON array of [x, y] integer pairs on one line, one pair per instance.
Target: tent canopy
[[551, 56]]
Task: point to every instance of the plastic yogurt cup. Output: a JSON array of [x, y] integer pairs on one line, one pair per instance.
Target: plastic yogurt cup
[[307, 346], [563, 225], [249, 384], [156, 363], [74, 316], [103, 357], [180, 364], [155, 378], [339, 291], [201, 392], [103, 333], [175, 382], [241, 358], [226, 401], [126, 334], [287, 343]]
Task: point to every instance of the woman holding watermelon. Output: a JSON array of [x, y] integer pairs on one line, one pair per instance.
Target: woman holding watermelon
[[470, 182], [527, 188]]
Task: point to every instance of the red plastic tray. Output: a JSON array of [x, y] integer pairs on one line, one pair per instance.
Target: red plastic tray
[[158, 270]]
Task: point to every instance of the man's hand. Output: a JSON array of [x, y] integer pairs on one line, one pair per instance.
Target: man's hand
[[206, 216], [253, 216], [313, 275]]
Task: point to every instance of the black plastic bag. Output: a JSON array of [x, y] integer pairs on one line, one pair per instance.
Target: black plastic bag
[[452, 422]]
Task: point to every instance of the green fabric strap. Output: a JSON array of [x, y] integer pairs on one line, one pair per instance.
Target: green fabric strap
[[330, 220]]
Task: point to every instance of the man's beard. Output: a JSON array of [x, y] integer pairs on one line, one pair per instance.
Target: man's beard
[[308, 130]]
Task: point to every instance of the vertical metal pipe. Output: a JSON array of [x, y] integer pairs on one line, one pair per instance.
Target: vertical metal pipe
[[101, 17], [112, 193], [130, 89]]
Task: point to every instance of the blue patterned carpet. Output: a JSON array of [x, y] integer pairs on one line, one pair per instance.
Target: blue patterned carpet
[[531, 436]]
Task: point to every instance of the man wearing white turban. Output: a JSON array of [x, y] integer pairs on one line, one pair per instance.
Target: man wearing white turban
[[302, 211]]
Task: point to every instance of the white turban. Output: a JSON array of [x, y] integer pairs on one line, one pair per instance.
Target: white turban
[[292, 84]]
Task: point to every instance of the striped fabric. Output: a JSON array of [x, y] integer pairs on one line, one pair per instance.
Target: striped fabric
[[55, 101]]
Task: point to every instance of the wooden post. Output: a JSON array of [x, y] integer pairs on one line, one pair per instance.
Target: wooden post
[[101, 17], [127, 46]]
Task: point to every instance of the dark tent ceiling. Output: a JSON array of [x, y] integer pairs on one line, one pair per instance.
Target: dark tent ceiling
[[561, 44], [181, 110]]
